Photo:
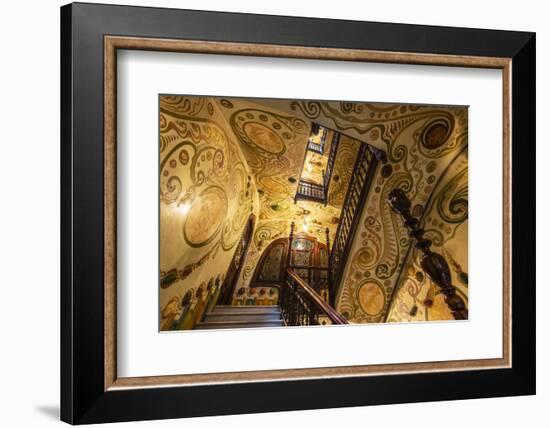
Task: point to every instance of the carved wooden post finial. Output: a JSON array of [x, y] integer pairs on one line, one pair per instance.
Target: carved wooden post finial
[[434, 264]]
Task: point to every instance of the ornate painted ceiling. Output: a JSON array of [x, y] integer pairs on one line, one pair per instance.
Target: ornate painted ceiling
[[274, 142], [269, 137]]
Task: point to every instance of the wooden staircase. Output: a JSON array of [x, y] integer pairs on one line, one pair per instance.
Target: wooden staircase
[[224, 316]]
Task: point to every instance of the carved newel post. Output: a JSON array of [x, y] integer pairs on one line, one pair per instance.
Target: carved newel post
[[434, 264]]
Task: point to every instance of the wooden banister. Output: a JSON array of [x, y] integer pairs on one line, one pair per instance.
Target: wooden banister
[[320, 304], [310, 191]]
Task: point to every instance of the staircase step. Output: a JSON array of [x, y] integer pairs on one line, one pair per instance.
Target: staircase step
[[226, 316], [246, 309], [239, 316], [237, 324]]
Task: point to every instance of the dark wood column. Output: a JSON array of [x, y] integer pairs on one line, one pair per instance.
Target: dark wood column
[[434, 264]]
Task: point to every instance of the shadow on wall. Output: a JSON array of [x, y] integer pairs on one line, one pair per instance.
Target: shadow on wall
[[51, 411]]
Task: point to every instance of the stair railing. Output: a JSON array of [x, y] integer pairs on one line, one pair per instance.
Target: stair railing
[[310, 191], [317, 277], [301, 305], [327, 175], [356, 195]]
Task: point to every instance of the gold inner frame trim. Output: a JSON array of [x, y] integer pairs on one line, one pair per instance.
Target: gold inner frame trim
[[113, 43]]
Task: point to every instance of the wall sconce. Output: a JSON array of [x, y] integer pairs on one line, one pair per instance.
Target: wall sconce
[[184, 207], [184, 204]]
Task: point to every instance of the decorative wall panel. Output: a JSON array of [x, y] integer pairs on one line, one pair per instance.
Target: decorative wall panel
[[420, 142], [206, 195]]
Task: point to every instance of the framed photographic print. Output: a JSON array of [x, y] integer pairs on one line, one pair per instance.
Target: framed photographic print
[[266, 213]]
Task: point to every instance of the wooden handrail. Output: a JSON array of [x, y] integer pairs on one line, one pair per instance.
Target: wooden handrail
[[334, 316]]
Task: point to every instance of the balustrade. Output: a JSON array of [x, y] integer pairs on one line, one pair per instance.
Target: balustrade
[[301, 305], [311, 191], [356, 195]]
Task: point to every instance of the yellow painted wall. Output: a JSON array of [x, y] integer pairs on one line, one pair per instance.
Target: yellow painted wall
[[207, 195]]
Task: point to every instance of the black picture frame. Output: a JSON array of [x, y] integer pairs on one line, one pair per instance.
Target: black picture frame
[[83, 398]]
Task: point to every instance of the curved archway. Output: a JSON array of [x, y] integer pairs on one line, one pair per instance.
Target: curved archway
[[306, 251], [234, 270]]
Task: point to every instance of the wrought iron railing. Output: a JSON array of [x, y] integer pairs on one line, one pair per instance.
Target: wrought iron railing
[[358, 188], [317, 277], [310, 191], [302, 305], [327, 175], [314, 147]]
